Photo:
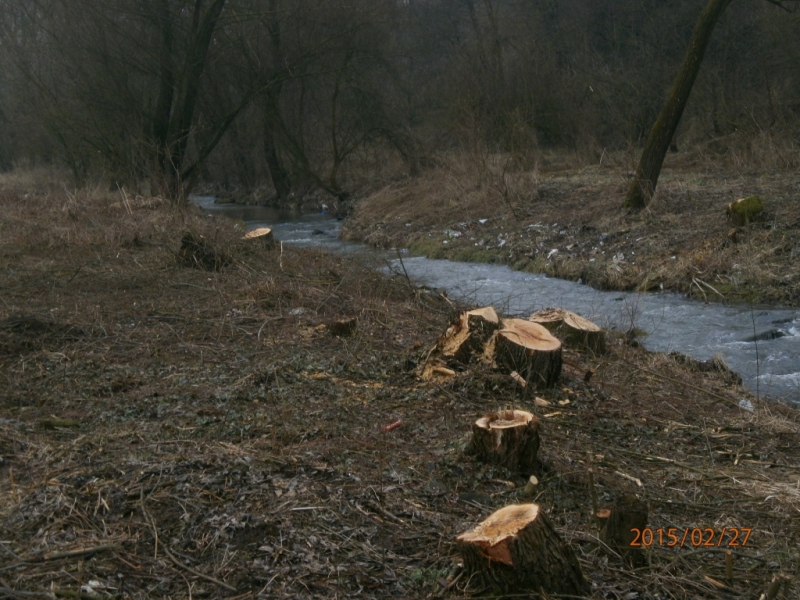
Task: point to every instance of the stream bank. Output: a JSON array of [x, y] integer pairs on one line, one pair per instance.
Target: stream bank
[[569, 224], [171, 431]]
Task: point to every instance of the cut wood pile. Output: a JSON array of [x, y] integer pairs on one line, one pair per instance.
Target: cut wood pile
[[529, 350]]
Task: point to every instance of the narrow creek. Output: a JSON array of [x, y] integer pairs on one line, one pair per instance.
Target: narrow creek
[[762, 344]]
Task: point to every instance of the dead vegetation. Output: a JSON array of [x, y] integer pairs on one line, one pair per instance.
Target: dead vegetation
[[175, 432], [568, 223]]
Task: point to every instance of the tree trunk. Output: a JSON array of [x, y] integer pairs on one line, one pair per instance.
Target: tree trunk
[[277, 172], [509, 438], [528, 349], [178, 92], [644, 184], [518, 549], [572, 328]]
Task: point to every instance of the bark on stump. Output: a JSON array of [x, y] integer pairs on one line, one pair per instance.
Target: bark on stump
[[468, 335], [529, 349], [343, 327], [572, 328], [262, 235], [517, 548], [509, 438], [627, 514], [465, 338]]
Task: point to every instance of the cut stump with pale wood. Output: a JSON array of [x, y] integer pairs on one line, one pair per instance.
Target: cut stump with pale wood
[[529, 349], [518, 549], [464, 339], [262, 235], [467, 336], [576, 331], [508, 438]]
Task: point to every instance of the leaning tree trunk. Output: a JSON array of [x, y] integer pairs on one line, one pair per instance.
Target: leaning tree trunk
[[517, 549], [644, 184]]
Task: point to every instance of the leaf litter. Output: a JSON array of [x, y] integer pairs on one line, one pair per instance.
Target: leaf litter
[[186, 433]]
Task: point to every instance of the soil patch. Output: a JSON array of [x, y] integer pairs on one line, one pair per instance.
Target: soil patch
[[183, 433]]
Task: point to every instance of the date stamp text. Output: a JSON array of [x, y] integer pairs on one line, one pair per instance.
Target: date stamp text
[[696, 537]]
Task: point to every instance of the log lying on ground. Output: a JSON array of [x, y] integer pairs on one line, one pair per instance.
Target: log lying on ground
[[517, 548], [576, 331], [468, 335], [508, 438], [262, 235], [529, 349], [627, 515]]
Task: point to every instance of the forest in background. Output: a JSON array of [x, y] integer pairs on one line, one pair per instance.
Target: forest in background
[[291, 96]]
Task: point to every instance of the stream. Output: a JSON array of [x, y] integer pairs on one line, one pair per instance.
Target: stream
[[762, 344]]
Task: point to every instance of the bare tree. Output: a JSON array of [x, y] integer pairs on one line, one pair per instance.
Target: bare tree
[[658, 142]]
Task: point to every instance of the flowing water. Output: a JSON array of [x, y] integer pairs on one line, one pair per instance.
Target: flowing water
[[760, 343]]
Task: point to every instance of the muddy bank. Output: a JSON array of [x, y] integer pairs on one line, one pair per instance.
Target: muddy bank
[[569, 224], [167, 430]]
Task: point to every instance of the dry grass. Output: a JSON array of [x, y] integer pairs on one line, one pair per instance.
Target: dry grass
[[174, 432], [681, 242]]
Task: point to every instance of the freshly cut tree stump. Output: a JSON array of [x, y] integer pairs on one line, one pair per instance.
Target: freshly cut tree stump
[[572, 328], [517, 548], [529, 349], [468, 335], [262, 235], [509, 438], [627, 515]]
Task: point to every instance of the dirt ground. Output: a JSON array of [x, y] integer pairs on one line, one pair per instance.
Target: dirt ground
[[569, 223], [173, 432]]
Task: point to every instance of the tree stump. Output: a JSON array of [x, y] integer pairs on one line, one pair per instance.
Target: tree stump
[[529, 349], [343, 327], [627, 515], [745, 210], [509, 438], [468, 335], [517, 548], [572, 328], [262, 235]]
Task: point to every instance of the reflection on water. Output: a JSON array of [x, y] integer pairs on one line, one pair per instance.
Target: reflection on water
[[763, 345]]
